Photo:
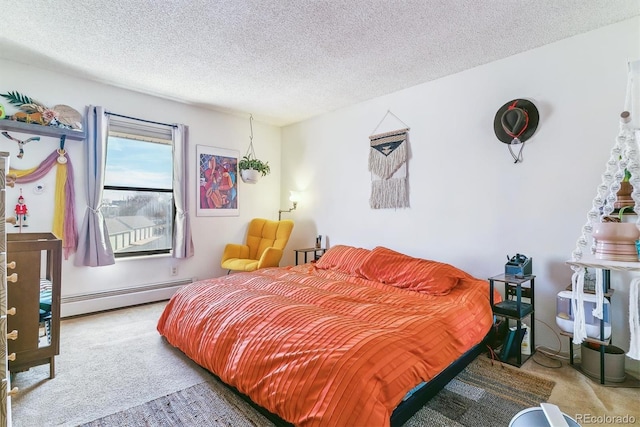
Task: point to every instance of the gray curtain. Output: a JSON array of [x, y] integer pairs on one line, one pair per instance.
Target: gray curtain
[[182, 241], [94, 247]]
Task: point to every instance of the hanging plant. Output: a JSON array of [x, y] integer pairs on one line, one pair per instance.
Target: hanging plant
[[255, 164], [252, 168]]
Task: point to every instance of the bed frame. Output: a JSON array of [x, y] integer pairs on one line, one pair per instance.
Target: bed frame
[[417, 400], [407, 408]]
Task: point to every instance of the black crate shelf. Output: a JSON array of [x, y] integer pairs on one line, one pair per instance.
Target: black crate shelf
[[510, 308]]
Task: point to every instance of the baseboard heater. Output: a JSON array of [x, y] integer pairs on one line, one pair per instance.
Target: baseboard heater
[[116, 298]]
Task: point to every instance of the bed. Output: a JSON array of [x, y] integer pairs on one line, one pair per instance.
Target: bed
[[359, 338]]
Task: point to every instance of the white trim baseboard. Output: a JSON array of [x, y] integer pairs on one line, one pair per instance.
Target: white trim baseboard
[[75, 305]]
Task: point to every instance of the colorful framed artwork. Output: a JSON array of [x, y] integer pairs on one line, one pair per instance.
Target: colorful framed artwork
[[217, 181]]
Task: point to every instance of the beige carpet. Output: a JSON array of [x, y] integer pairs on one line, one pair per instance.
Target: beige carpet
[[116, 360], [581, 398], [108, 362]]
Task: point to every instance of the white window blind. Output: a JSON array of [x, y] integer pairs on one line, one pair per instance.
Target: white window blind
[[141, 131]]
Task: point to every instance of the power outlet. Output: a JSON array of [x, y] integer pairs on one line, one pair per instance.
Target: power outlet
[[174, 270]]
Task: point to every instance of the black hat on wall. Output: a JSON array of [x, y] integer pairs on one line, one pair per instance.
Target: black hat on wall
[[516, 121]]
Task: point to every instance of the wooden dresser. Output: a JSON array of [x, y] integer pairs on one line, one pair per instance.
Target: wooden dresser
[[5, 377], [34, 262]]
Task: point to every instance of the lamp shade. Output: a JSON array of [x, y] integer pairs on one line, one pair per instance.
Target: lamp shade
[[294, 196]]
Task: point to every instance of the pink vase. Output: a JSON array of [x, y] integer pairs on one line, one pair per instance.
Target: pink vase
[[616, 241]]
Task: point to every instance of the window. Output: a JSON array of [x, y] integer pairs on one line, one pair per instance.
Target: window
[[138, 201]]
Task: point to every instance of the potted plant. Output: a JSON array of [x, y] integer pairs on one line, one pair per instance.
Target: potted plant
[[623, 196], [616, 240], [251, 169]]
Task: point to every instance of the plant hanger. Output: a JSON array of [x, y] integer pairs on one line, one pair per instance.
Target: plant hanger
[[251, 168], [251, 154]]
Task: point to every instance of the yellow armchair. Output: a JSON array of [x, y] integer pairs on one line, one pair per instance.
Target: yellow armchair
[[264, 246]]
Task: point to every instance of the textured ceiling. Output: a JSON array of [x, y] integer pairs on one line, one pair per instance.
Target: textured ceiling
[[285, 60]]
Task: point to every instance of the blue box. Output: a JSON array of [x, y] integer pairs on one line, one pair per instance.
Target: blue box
[[519, 266]]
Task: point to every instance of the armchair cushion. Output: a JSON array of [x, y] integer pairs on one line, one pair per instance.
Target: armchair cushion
[[270, 258], [240, 264], [234, 250]]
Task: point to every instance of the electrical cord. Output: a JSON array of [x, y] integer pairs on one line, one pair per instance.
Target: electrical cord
[[546, 352], [549, 353], [545, 365]]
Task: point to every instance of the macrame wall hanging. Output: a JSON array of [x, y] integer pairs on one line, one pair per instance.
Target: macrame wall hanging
[[624, 157], [388, 166], [64, 222]]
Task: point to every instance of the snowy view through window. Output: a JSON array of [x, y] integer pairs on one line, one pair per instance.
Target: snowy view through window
[[138, 196]]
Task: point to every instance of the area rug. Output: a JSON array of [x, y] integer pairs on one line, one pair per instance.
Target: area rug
[[486, 393], [483, 394]]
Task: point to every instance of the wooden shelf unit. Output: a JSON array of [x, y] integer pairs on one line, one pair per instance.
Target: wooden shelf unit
[[30, 252], [5, 311], [590, 261], [56, 132]]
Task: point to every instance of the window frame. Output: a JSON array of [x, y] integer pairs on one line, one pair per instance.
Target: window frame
[[136, 130]]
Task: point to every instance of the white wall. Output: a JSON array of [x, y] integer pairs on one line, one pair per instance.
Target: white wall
[[471, 206], [206, 127]]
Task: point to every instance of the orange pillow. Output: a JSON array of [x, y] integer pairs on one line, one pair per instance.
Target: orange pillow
[[414, 274], [342, 258]]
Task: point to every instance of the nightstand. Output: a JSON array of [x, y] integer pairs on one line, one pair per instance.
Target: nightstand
[[514, 308], [317, 253]]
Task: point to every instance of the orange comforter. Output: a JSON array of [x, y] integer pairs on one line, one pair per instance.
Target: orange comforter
[[322, 348]]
